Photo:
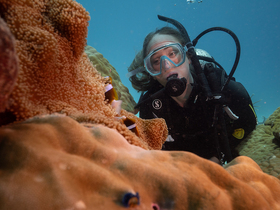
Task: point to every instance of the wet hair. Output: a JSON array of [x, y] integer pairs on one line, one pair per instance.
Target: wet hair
[[143, 81]]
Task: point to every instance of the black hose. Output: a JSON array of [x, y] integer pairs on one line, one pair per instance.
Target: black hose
[[238, 48], [195, 62], [202, 79]]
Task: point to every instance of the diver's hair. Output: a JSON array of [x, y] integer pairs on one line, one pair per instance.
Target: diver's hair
[[143, 81], [163, 31]]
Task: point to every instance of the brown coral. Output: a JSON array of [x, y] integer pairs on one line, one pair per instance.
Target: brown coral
[[50, 40], [56, 163], [55, 74], [8, 64], [150, 128]]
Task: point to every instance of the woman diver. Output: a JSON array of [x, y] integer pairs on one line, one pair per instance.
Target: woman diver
[[172, 90]]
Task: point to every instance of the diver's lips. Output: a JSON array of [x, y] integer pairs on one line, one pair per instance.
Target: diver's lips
[[172, 76]]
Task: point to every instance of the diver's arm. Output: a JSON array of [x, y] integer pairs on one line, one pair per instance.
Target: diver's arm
[[240, 103]]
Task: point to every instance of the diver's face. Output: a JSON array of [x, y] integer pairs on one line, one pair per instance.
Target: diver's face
[[181, 71]]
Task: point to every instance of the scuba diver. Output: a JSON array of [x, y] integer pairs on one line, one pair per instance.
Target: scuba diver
[[206, 111]]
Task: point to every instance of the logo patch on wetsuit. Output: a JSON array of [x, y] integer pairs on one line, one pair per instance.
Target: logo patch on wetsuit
[[157, 104], [239, 133]]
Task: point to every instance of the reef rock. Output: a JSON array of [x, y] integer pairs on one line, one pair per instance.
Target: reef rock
[[53, 162], [106, 69], [263, 145]]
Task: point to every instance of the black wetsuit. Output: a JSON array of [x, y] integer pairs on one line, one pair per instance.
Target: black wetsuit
[[191, 125]]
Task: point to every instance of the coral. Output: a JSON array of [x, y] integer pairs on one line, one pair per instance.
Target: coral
[[50, 40], [53, 162], [106, 69], [263, 146], [8, 64], [274, 118], [55, 74], [276, 134], [154, 131], [88, 158]]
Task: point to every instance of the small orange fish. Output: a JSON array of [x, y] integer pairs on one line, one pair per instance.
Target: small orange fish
[[131, 125], [110, 94]]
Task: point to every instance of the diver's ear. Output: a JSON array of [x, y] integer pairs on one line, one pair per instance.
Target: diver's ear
[[189, 60]]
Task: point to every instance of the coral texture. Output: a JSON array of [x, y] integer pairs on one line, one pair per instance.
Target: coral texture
[[8, 64], [263, 145], [56, 163], [50, 40], [106, 69], [56, 75]]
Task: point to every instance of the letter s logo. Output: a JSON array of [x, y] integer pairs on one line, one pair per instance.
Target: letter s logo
[[157, 104]]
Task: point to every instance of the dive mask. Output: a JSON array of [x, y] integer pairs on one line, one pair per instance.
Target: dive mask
[[165, 57]]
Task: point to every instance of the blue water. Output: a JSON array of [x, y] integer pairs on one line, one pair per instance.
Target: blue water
[[117, 30]]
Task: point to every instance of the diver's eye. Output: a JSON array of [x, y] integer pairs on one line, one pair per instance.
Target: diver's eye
[[155, 62], [172, 54]]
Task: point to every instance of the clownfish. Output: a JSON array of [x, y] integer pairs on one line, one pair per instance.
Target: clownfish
[[131, 125], [111, 96]]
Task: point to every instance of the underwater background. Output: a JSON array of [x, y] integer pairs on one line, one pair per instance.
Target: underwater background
[[117, 30]]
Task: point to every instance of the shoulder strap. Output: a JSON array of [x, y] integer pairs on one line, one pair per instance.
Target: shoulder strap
[[153, 92], [216, 77]]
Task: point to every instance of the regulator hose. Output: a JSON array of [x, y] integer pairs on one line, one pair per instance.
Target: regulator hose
[[195, 61], [238, 48]]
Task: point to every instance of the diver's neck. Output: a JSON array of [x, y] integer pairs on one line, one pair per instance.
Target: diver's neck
[[182, 99]]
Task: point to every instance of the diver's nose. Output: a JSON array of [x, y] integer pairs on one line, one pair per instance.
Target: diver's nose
[[166, 64]]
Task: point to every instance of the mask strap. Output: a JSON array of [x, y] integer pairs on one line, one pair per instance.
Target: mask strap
[[135, 71]]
